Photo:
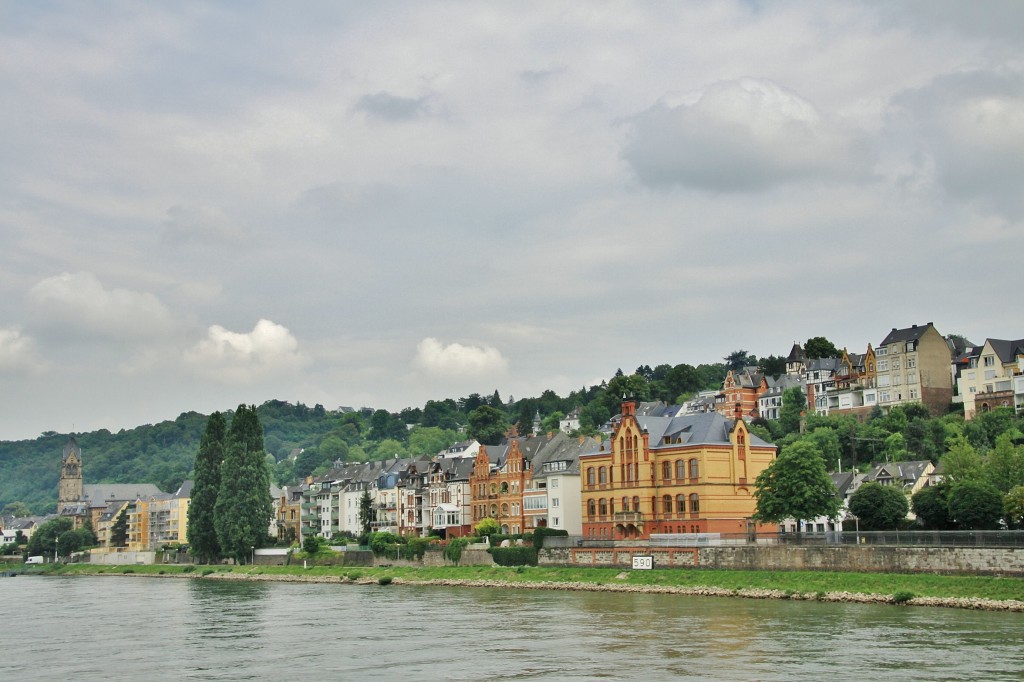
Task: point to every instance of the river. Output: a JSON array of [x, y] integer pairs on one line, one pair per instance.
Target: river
[[119, 628]]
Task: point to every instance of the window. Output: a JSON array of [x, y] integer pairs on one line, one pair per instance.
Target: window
[[591, 507], [625, 504], [913, 394], [636, 504], [553, 483], [603, 506], [694, 503], [694, 468], [911, 363], [681, 504], [883, 365], [554, 501], [590, 475], [989, 361], [666, 504], [680, 469], [895, 363], [602, 475], [666, 470]]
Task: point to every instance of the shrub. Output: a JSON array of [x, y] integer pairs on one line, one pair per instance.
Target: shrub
[[453, 550], [207, 572], [514, 556], [540, 533], [128, 570], [902, 597], [487, 527], [355, 575], [188, 569], [384, 580], [416, 547]]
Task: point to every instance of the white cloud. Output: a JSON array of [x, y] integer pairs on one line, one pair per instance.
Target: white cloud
[[740, 135], [457, 360], [79, 300], [269, 350], [18, 352]]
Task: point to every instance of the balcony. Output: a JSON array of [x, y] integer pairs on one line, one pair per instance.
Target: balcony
[[628, 517]]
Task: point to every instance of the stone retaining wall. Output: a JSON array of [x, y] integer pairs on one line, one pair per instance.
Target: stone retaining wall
[[866, 559]]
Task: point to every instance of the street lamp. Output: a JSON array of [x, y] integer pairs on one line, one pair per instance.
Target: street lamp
[[253, 559]]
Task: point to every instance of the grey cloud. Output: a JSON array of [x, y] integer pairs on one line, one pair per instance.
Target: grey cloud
[[996, 19], [969, 127], [739, 136], [392, 108], [204, 225]]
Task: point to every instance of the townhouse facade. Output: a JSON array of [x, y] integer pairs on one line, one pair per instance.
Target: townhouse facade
[[914, 365], [992, 376], [687, 474]]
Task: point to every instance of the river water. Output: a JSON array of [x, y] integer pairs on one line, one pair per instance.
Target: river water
[[120, 628]]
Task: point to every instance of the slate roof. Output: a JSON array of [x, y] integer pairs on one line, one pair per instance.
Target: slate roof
[[1007, 350], [71, 446], [562, 448], [912, 333], [843, 481], [101, 494], [906, 473]]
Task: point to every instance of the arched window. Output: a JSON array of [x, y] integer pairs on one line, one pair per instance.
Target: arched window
[[625, 504], [635, 445], [666, 504], [591, 507], [666, 470], [680, 469], [694, 468], [636, 504], [504, 509], [504, 487], [602, 475], [603, 506], [590, 475], [694, 504], [494, 510], [494, 488], [680, 504]]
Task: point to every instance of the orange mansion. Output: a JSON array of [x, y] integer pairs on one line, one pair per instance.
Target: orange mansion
[[688, 474]]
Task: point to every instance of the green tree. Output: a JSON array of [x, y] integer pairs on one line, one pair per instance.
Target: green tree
[[75, 540], [487, 526], [826, 443], [202, 531], [552, 422], [738, 359], [931, 506], [17, 509], [1004, 467], [820, 347], [243, 509], [961, 462], [1013, 505], [366, 515], [879, 507], [487, 425], [797, 486], [975, 505], [430, 440], [773, 365], [793, 403], [119, 531], [44, 539]]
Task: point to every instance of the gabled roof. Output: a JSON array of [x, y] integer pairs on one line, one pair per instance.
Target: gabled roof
[[911, 333], [692, 429], [843, 480], [796, 354], [1007, 350], [101, 494], [71, 446], [906, 473]]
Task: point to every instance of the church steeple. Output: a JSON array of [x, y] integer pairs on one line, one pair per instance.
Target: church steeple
[[70, 490]]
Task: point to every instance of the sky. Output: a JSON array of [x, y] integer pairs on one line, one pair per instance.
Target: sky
[[380, 204]]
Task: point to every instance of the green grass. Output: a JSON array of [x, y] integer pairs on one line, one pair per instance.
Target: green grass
[[795, 582]]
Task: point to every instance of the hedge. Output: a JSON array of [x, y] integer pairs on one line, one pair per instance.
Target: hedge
[[514, 556]]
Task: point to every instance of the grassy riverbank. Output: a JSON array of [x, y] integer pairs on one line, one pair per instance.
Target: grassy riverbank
[[805, 583]]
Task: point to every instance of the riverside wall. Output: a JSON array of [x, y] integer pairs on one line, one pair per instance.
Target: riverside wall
[[862, 559]]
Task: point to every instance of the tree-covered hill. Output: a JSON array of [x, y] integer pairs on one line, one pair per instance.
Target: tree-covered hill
[[164, 453]]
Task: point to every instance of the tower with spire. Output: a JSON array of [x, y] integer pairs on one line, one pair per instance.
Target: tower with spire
[[70, 491]]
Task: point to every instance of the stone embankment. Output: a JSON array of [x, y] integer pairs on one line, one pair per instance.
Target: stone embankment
[[840, 597]]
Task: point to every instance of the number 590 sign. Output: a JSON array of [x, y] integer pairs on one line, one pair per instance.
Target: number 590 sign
[[643, 563]]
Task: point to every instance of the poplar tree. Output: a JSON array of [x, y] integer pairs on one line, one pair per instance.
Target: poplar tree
[[243, 509], [202, 532]]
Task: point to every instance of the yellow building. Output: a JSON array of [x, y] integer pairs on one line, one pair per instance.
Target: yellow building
[[688, 474]]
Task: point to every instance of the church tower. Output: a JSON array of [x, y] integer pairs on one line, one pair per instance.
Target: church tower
[[70, 490]]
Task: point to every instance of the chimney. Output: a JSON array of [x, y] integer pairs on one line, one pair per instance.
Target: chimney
[[550, 435]]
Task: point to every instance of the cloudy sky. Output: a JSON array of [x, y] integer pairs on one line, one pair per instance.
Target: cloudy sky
[[377, 204]]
